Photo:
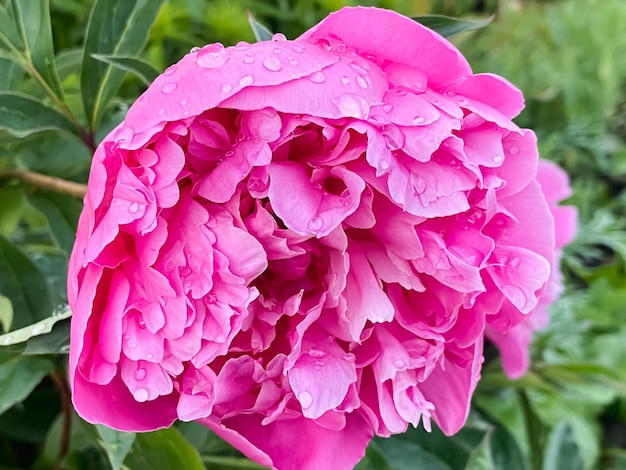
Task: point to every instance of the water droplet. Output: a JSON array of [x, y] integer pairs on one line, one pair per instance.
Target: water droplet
[[297, 49], [418, 183], [515, 262], [514, 150], [293, 62], [132, 344], [38, 329], [277, 50], [279, 37], [141, 394], [248, 59], [316, 353], [317, 77], [418, 120], [498, 159], [515, 295], [399, 364], [183, 103], [352, 106], [305, 399], [227, 88], [161, 112], [140, 374], [449, 92], [463, 102], [170, 70], [133, 208], [169, 88], [345, 80], [272, 64], [349, 358], [7, 340], [316, 224], [212, 298], [359, 67], [361, 80], [149, 356], [229, 154], [242, 46], [385, 163], [387, 107], [142, 324], [211, 56], [193, 50], [246, 80]]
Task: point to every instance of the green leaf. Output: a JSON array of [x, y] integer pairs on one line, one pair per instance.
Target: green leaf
[[163, 450], [138, 67], [6, 313], [480, 456], [447, 26], [28, 333], [117, 444], [261, 33], [562, 451], [62, 213], [24, 284], [10, 74], [116, 28], [22, 115], [57, 341], [32, 23], [11, 208], [400, 454], [19, 376], [10, 39]]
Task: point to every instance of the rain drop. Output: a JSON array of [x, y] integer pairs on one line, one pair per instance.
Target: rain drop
[[515, 262], [352, 106], [161, 112], [515, 295], [141, 394], [7, 340], [211, 56], [293, 62], [229, 154], [449, 92], [315, 224], [227, 88], [297, 49], [140, 374], [361, 80], [169, 88], [170, 70], [246, 80], [149, 356], [38, 329], [279, 37], [463, 102], [385, 163], [349, 358], [498, 159], [387, 107], [316, 353], [418, 120], [183, 103], [359, 67], [345, 80], [514, 150], [193, 50], [248, 59], [133, 208], [132, 344], [305, 399], [317, 77], [399, 364], [242, 46], [272, 64]]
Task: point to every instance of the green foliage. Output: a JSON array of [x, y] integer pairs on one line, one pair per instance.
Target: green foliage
[[63, 86]]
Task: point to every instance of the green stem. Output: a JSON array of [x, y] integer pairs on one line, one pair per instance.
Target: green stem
[[51, 183], [232, 462], [66, 406]]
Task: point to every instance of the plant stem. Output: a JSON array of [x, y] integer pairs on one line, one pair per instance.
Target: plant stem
[[66, 405], [50, 183]]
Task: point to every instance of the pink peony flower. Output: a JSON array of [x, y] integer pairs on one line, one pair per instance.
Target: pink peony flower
[[301, 244]]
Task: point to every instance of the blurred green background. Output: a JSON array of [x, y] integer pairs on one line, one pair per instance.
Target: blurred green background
[[567, 56]]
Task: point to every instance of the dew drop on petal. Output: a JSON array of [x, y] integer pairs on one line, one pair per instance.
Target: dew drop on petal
[[361, 80], [133, 208], [305, 399], [514, 150], [359, 66], [317, 77], [515, 262], [345, 80], [315, 224], [272, 64], [183, 103], [229, 154], [293, 62], [211, 56], [385, 163], [38, 329], [140, 374], [161, 112], [242, 46], [227, 88], [418, 120], [246, 80], [498, 159], [349, 358], [387, 107], [149, 356], [297, 49], [170, 70], [449, 92], [515, 295], [352, 106], [132, 344], [279, 37], [399, 364], [463, 102], [316, 353], [193, 50], [169, 88], [7, 340], [141, 394], [248, 59]]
